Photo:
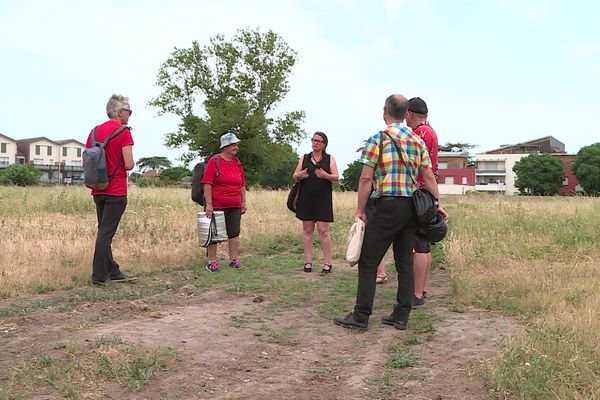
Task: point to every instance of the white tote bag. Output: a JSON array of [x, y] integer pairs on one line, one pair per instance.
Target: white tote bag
[[211, 230], [355, 240]]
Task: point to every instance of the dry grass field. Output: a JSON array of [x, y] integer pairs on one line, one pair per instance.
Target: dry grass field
[[535, 261]]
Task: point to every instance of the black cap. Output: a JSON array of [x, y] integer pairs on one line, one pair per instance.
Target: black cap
[[417, 105]]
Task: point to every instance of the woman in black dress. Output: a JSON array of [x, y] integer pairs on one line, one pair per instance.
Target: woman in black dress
[[316, 171]]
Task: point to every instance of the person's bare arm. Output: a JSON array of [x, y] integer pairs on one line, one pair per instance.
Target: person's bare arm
[[365, 184], [128, 158], [431, 185], [208, 204], [300, 173], [333, 176]]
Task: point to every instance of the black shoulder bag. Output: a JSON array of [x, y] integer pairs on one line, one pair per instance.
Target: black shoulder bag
[[292, 200], [424, 202]]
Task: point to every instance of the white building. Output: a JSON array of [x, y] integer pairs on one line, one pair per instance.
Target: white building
[[8, 152]]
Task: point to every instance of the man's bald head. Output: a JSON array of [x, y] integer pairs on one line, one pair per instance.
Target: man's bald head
[[396, 106]]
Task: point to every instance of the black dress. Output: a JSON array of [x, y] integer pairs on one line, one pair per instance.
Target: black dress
[[314, 201]]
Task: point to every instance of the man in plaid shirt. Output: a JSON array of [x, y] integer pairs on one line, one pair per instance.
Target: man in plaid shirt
[[393, 219]]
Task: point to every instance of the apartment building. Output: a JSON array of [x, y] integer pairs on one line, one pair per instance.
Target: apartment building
[[495, 173], [454, 174], [8, 152], [58, 161]]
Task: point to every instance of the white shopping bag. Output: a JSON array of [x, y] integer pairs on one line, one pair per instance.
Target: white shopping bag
[[355, 240], [211, 230]]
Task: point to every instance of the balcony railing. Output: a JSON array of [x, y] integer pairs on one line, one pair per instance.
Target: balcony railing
[[61, 168], [491, 171], [491, 187]]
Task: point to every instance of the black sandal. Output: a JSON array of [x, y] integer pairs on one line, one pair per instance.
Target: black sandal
[[327, 270], [308, 267]]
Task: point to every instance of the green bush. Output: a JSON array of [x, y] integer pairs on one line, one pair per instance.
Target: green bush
[[20, 175]]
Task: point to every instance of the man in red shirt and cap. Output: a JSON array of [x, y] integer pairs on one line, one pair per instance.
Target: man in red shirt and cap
[[416, 118]]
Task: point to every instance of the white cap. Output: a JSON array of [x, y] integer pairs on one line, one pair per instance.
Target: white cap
[[229, 138]]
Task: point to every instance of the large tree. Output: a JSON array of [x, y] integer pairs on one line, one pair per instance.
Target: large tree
[[586, 168], [539, 174], [154, 162], [231, 86]]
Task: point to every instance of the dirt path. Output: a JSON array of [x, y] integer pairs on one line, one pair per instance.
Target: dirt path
[[239, 347]]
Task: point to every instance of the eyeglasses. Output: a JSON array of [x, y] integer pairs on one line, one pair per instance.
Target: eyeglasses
[[128, 110], [317, 141]]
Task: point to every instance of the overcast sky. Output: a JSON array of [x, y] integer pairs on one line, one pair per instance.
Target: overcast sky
[[492, 71]]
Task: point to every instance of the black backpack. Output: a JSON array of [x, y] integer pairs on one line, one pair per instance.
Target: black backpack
[[198, 174]]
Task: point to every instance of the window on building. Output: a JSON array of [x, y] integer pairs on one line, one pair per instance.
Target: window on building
[[3, 147], [465, 181], [442, 165], [449, 180], [64, 151], [38, 161], [3, 160], [79, 152], [49, 150], [76, 162], [38, 150], [565, 182]]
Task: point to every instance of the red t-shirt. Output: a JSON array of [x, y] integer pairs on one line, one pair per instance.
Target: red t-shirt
[[426, 132], [227, 190], [114, 153]]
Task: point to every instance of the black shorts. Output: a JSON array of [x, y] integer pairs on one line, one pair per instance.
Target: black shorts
[[421, 246], [233, 219]]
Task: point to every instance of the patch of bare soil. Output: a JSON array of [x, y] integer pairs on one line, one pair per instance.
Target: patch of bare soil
[[240, 347]]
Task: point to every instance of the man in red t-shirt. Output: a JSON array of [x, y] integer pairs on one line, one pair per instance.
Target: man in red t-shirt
[[416, 118], [112, 201]]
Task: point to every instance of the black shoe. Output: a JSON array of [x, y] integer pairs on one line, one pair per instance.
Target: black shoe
[[106, 283], [118, 276], [389, 320], [349, 322], [417, 303], [308, 267], [326, 270]]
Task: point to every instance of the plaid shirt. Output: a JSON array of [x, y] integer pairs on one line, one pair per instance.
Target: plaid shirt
[[392, 178]]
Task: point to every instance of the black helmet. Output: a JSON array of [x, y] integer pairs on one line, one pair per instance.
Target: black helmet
[[435, 231]]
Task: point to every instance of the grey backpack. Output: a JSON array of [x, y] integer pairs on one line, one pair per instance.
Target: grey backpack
[[94, 162]]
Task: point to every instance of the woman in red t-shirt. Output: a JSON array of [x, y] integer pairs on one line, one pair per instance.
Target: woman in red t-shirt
[[226, 193]]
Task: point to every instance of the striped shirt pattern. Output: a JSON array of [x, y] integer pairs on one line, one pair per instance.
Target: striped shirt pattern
[[392, 178]]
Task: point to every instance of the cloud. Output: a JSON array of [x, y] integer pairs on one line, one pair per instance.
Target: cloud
[[532, 11]]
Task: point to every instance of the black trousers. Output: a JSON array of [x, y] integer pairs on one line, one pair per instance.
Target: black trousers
[[109, 210], [392, 222]]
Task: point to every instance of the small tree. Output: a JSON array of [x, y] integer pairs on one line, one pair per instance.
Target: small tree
[[20, 175], [176, 174], [456, 147], [586, 168], [539, 174], [351, 175], [155, 162]]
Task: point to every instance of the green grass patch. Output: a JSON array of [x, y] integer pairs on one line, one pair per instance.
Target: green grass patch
[[74, 369], [400, 356]]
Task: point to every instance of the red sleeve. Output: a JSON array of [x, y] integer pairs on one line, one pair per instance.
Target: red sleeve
[[125, 138], [209, 172], [432, 148]]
